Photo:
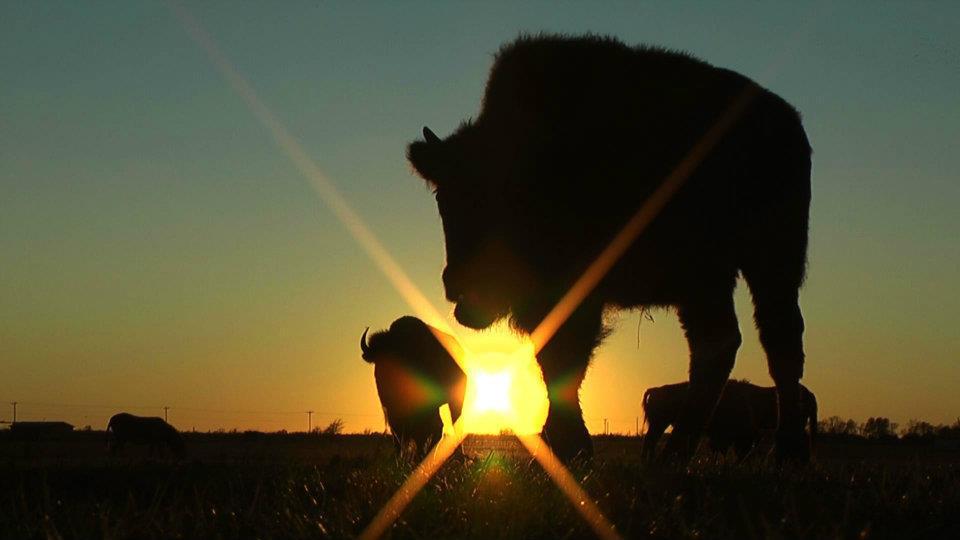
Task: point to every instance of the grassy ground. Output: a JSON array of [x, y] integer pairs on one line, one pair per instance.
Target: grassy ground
[[236, 486]]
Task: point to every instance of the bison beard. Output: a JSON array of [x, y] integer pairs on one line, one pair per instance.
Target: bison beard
[[574, 134]]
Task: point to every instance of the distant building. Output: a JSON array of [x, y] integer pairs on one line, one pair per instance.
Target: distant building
[[32, 431]]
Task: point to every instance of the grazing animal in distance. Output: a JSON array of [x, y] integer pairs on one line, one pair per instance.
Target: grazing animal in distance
[[744, 414], [574, 136], [416, 374], [155, 432]]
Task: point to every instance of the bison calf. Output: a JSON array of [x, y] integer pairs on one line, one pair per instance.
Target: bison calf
[[743, 414], [416, 374], [152, 431]]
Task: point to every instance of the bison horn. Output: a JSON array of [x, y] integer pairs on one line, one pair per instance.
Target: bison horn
[[430, 136], [363, 344]]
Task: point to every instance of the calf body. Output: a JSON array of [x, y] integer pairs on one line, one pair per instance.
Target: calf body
[[152, 431], [416, 373], [743, 415]]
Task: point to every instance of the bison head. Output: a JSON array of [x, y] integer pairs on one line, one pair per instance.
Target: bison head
[[485, 275], [415, 345]]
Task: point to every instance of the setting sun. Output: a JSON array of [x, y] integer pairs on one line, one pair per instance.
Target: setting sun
[[505, 389], [493, 391]]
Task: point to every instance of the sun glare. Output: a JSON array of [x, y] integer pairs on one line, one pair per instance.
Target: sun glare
[[505, 389], [493, 391]]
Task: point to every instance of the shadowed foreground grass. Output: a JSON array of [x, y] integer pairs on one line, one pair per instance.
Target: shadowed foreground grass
[[332, 487]]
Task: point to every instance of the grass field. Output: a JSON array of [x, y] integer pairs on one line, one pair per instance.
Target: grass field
[[305, 486]]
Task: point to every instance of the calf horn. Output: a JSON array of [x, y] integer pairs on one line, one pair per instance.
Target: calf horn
[[363, 344], [430, 136]]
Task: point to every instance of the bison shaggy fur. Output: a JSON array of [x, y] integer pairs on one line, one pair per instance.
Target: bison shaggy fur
[[573, 136]]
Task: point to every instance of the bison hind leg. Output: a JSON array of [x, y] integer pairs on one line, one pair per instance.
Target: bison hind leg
[[710, 324], [774, 273]]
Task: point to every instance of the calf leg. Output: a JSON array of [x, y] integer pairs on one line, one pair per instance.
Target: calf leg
[[713, 336], [651, 438]]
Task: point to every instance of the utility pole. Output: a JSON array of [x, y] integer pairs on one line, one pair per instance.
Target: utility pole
[[638, 426], [309, 421], [165, 409], [14, 403], [606, 426]]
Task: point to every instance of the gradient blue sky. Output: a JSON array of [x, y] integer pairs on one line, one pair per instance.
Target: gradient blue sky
[[157, 248]]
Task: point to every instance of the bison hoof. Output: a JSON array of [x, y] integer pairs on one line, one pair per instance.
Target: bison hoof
[[569, 449]]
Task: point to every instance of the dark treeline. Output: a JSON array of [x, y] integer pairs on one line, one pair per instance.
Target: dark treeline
[[881, 428], [834, 427]]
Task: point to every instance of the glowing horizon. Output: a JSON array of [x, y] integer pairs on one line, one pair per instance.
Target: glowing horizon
[[160, 251]]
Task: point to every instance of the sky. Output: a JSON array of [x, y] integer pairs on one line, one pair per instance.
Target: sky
[[157, 248]]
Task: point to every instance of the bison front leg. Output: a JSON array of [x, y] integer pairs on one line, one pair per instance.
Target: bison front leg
[[714, 338], [564, 362]]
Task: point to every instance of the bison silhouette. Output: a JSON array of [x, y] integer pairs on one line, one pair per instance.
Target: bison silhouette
[[415, 374], [743, 415], [573, 136], [144, 430]]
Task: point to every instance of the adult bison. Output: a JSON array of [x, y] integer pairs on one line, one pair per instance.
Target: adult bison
[[574, 135], [146, 430], [744, 413], [415, 374]]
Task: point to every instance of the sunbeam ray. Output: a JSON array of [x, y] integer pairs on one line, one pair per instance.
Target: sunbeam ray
[[322, 186], [569, 486], [422, 474]]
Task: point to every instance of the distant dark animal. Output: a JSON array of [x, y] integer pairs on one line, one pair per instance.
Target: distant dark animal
[[125, 428], [574, 135], [416, 374], [744, 414]]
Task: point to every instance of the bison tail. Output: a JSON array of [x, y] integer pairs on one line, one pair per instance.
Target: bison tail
[[644, 403]]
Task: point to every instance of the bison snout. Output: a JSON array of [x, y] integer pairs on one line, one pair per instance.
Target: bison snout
[[452, 286]]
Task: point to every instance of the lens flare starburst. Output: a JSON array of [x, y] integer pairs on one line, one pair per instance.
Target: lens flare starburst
[[495, 392], [505, 389]]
